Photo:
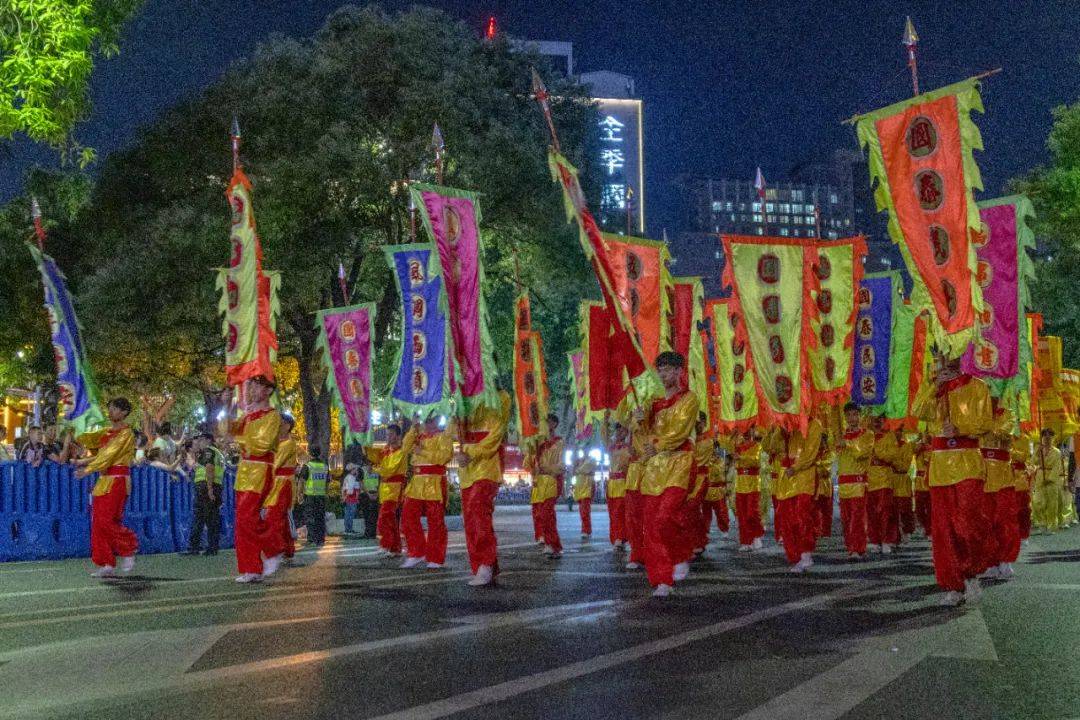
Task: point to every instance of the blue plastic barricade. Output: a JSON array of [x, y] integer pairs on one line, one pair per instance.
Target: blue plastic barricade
[[147, 511], [228, 508], [182, 512], [29, 527]]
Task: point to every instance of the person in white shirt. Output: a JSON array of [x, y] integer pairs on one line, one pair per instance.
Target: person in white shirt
[[350, 495]]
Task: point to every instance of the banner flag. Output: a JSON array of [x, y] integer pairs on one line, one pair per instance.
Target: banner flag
[[1003, 272], [640, 279], [422, 380], [773, 281], [920, 154], [579, 393], [80, 403], [452, 217], [530, 378], [686, 323], [839, 270], [345, 337], [627, 354], [738, 403], [1030, 412], [249, 295], [878, 298]]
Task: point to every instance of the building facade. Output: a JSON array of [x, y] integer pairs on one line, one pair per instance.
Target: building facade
[[621, 154]]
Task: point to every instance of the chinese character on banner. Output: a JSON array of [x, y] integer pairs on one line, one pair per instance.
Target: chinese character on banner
[[613, 196], [611, 130], [612, 160]]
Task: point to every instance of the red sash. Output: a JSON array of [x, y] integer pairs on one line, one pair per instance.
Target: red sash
[[954, 443]]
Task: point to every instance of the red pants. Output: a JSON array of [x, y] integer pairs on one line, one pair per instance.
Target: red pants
[[959, 531], [249, 532], [824, 514], [905, 515], [748, 515], [432, 546], [881, 527], [1003, 540], [387, 528], [544, 513], [1023, 511], [538, 526], [477, 508], [853, 521], [922, 510], [274, 535], [799, 524], [717, 509], [776, 522], [108, 535], [635, 525], [585, 512], [665, 536], [616, 508], [691, 530]]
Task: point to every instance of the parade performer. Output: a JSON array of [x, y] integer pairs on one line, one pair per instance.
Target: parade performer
[[999, 492], [881, 530], [547, 487], [1046, 503], [257, 434], [426, 495], [635, 503], [584, 471], [795, 494], [616, 487], [481, 463], [904, 509], [276, 535], [922, 486], [697, 522], [853, 461], [746, 449], [823, 497], [716, 496], [958, 410], [1023, 466], [115, 450], [390, 463], [773, 446], [669, 423]]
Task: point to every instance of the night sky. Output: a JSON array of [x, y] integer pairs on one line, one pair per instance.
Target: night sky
[[727, 85]]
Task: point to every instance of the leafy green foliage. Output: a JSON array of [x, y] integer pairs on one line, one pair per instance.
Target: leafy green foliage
[[48, 49], [1055, 192]]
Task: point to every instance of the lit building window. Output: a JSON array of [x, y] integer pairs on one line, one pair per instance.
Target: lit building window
[[797, 195], [757, 218], [833, 199], [761, 231], [833, 235], [769, 207], [756, 207], [796, 232], [727, 206], [770, 193], [771, 218], [784, 231], [797, 209], [785, 208], [809, 208], [717, 206], [785, 219]]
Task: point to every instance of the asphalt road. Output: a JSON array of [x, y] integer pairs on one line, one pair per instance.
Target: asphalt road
[[350, 635]]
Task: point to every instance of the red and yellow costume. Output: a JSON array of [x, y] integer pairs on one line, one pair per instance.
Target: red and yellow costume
[[716, 496], [747, 454], [665, 482], [1022, 461], [426, 494], [547, 486], [257, 435], [697, 523], [823, 497], [109, 538], [584, 470], [1047, 508], [999, 493], [902, 490], [391, 465], [276, 537], [959, 412], [922, 485], [616, 493], [480, 481], [796, 487], [881, 528], [853, 462]]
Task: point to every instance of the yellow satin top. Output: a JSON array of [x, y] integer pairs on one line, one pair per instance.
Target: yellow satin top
[[670, 424], [1021, 451], [747, 466], [284, 461], [965, 402], [114, 448], [902, 466], [391, 465], [883, 458], [855, 448], [257, 435], [620, 464], [584, 472], [704, 459], [486, 432], [800, 454], [433, 449], [547, 468], [1049, 467]]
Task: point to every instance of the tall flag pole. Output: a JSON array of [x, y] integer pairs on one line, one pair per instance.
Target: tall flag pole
[[541, 95], [342, 284], [911, 41], [235, 135], [759, 186], [80, 403], [438, 146]]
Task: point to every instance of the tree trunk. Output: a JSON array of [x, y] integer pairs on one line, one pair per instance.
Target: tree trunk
[[312, 389]]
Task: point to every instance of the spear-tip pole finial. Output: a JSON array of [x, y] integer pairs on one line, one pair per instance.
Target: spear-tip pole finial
[[234, 133], [911, 42], [541, 95], [438, 146], [39, 229], [342, 283]]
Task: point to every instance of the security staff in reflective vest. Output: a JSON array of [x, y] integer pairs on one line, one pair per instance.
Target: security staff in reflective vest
[[209, 470], [315, 475]]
